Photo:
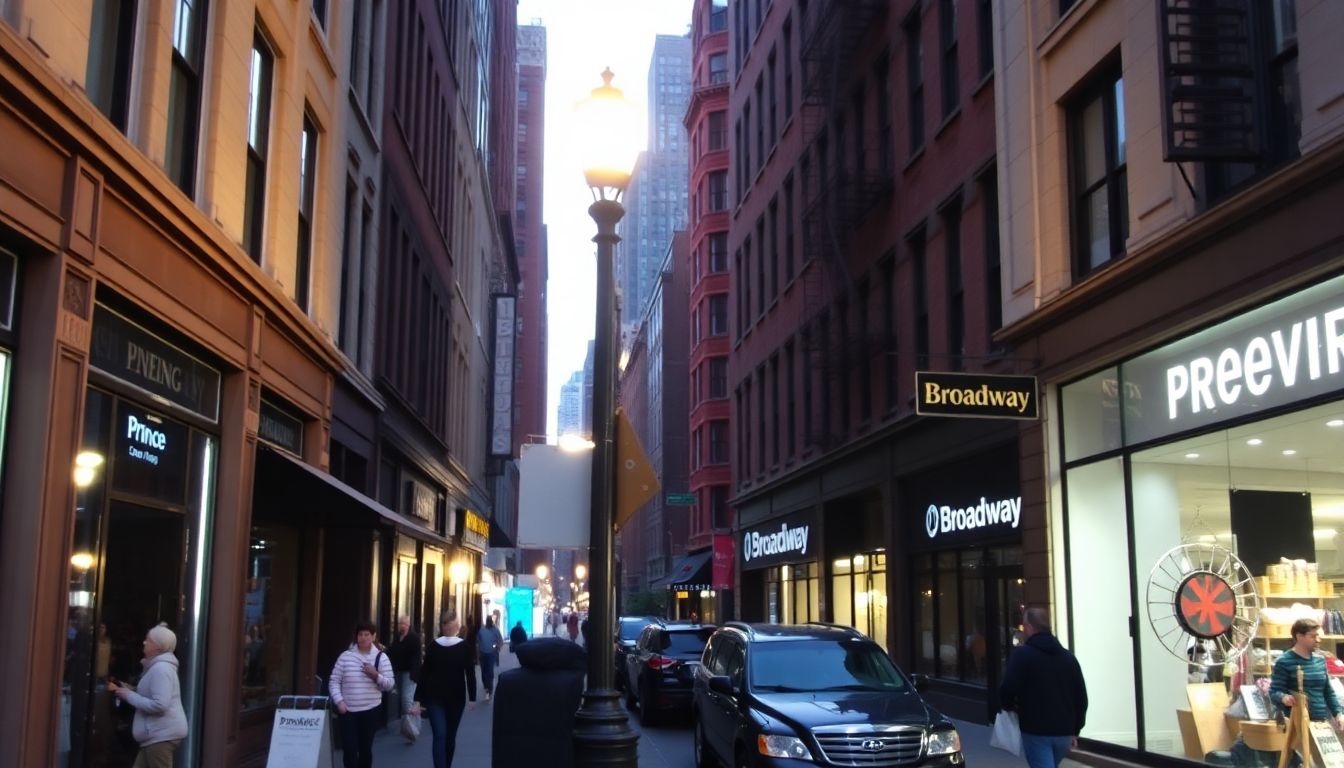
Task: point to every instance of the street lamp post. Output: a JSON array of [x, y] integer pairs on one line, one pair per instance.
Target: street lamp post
[[602, 733]]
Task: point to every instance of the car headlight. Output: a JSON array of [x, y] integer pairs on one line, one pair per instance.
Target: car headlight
[[944, 742], [772, 745]]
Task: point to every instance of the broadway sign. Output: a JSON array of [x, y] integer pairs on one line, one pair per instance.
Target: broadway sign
[[975, 395], [779, 541]]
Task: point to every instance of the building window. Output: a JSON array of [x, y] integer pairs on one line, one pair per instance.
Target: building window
[[984, 18], [774, 410], [718, 378], [352, 275], [740, 282], [989, 187], [889, 329], [956, 291], [774, 248], [718, 314], [718, 130], [791, 406], [1101, 191], [746, 280], [718, 506], [718, 16], [921, 308], [307, 199], [258, 139], [718, 68], [914, 73], [884, 139], [760, 420], [718, 191], [697, 455], [718, 441], [760, 123], [788, 229], [718, 252], [760, 266], [947, 32], [184, 93], [774, 126], [111, 53]]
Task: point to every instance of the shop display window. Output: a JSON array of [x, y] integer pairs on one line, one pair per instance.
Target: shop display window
[[792, 595], [967, 607], [859, 594], [270, 610]]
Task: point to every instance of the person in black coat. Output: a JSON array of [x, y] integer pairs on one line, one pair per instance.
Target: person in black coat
[[1044, 685], [447, 682], [517, 636]]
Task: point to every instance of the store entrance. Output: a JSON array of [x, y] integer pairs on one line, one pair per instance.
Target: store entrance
[[1005, 599]]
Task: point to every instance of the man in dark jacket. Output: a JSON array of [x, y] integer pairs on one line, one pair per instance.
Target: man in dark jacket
[[1044, 685], [404, 653], [517, 636]]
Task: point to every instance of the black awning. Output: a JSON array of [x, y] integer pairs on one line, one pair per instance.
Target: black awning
[[691, 574], [320, 487], [498, 537]]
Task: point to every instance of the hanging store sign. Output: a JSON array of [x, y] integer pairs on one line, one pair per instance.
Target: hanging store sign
[[975, 395], [122, 349], [475, 533], [724, 555], [780, 541], [1283, 352], [501, 412]]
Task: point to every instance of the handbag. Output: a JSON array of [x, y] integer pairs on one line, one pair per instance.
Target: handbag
[[1007, 734]]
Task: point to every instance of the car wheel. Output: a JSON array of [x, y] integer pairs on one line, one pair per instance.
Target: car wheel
[[704, 755], [646, 713]]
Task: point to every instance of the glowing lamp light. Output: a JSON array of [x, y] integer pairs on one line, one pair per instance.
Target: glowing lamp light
[[82, 561], [614, 139], [458, 572]]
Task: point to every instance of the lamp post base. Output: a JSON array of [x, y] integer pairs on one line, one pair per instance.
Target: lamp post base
[[602, 734]]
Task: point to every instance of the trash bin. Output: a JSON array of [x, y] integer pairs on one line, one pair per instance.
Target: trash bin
[[535, 705]]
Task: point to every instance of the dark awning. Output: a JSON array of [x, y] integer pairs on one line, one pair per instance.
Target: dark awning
[[691, 574], [498, 537], [321, 486]]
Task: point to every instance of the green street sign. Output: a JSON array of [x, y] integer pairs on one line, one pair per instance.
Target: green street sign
[[680, 499]]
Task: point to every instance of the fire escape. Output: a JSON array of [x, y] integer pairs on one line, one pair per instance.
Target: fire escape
[[844, 178]]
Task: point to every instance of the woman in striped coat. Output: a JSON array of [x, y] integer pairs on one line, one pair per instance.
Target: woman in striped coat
[[361, 675]]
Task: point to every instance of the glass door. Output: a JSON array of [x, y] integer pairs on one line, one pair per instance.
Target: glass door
[[1005, 600]]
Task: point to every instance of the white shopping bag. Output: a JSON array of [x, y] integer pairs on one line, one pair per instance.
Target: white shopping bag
[[1007, 734]]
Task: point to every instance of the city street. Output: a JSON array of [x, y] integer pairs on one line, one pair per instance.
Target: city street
[[666, 746]]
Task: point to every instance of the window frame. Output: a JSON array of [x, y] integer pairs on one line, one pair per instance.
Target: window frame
[[261, 76], [1106, 84]]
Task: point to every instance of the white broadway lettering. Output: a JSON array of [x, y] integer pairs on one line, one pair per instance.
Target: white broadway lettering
[[786, 540], [946, 519]]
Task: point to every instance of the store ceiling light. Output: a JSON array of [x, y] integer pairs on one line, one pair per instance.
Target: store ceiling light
[[1289, 452], [1335, 423], [1324, 533], [1254, 441], [1192, 455]]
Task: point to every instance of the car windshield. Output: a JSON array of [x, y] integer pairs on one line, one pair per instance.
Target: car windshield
[[686, 642], [630, 628], [823, 665]]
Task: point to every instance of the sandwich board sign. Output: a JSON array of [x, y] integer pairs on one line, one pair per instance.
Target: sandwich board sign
[[300, 738]]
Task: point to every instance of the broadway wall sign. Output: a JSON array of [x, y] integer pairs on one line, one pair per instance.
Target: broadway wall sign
[[783, 540], [975, 395]]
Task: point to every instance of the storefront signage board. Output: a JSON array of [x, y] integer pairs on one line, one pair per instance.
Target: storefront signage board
[[475, 532], [280, 429], [150, 458], [973, 501], [977, 396], [300, 739], [725, 554], [1283, 352], [122, 349], [420, 501], [780, 541], [501, 416]]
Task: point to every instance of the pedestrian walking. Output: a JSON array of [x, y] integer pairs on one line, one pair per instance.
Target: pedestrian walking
[[1044, 685], [572, 625], [405, 655], [517, 636], [1322, 704], [447, 683], [488, 641], [160, 723], [358, 679]]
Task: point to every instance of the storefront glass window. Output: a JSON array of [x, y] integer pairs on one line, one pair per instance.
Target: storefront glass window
[[1098, 563], [270, 608], [859, 594], [973, 612], [792, 593], [948, 626], [924, 601], [1092, 415]]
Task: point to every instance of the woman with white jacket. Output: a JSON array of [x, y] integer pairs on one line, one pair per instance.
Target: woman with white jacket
[[358, 680], [160, 723]]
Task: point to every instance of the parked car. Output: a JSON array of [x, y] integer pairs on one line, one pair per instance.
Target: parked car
[[661, 668], [812, 694], [627, 632]]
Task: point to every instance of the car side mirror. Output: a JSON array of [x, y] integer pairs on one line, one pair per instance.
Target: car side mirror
[[921, 682], [721, 684]]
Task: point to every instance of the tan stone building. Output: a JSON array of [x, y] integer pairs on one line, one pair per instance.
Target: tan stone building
[[1171, 181]]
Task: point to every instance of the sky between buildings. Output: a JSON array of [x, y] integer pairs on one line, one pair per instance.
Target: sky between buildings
[[582, 38]]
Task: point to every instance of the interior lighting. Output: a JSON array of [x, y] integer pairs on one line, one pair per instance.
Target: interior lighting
[[1192, 455], [1254, 441], [1335, 423], [1289, 452]]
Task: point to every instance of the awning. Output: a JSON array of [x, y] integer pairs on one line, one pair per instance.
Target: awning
[[322, 488], [498, 538], [691, 574]]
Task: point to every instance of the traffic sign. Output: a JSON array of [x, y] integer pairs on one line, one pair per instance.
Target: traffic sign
[[680, 499]]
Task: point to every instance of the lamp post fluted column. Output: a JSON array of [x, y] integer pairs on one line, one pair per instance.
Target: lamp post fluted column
[[602, 733]]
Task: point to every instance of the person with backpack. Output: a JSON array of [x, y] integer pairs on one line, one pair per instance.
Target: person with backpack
[[358, 680]]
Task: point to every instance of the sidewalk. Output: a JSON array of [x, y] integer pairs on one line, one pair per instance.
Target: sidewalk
[[473, 735]]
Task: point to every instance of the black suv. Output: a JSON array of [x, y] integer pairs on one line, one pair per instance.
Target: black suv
[[627, 632], [660, 669], [819, 694]]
